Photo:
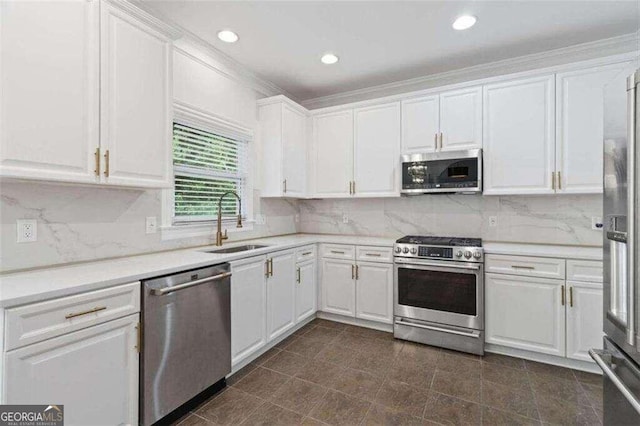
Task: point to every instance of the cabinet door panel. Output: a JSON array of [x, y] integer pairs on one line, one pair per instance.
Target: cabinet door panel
[[525, 313], [338, 287], [374, 292], [272, 164], [420, 124], [518, 126], [248, 307], [584, 319], [50, 90], [579, 133], [333, 153], [97, 364], [376, 150], [136, 101], [294, 151], [461, 119], [281, 294], [306, 290]]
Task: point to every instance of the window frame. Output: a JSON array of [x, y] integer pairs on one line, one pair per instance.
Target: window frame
[[190, 116]]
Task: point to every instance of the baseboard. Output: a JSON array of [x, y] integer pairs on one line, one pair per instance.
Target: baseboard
[[356, 321], [590, 367]]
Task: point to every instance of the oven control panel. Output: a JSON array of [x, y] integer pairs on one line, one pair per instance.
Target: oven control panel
[[460, 254]]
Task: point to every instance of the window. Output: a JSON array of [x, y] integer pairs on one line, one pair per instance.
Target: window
[[206, 164]]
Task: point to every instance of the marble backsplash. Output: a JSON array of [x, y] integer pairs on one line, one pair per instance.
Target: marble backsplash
[[544, 219], [82, 223]]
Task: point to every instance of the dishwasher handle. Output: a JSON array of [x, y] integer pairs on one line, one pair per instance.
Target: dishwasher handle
[[166, 290], [597, 356]]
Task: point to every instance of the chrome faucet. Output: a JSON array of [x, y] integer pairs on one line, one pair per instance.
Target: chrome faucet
[[219, 236]]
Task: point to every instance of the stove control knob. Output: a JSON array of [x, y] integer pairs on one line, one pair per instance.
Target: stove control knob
[[414, 251], [405, 250], [459, 253], [477, 255], [467, 254], [398, 249]]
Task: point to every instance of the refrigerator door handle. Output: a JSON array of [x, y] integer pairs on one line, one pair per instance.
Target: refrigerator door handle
[[597, 355], [631, 210]]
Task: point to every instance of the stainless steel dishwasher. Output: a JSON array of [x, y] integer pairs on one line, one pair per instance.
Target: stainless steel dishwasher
[[186, 338]]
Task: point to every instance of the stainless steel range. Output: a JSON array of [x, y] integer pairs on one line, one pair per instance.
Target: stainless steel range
[[439, 292]]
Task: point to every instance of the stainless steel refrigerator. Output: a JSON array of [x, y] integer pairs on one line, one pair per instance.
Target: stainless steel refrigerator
[[620, 357]]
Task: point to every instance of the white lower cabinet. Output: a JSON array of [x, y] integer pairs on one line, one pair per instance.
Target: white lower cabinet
[[280, 293], [359, 289], [374, 291], [338, 287], [92, 372], [525, 313], [248, 307], [305, 290], [584, 319]]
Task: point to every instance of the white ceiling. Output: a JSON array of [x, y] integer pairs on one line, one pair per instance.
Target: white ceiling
[[380, 42]]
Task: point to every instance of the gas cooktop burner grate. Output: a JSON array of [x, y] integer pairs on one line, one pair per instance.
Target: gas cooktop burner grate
[[441, 241]]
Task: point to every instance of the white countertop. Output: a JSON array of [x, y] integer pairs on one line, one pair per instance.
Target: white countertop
[[37, 285]]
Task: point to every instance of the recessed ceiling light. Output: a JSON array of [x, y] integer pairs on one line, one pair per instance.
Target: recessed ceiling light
[[329, 58], [227, 36], [464, 22]]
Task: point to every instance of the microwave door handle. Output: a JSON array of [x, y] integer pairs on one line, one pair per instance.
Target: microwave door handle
[[632, 200]]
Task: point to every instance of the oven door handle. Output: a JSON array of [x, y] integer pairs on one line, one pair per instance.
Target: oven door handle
[[414, 262], [474, 334]]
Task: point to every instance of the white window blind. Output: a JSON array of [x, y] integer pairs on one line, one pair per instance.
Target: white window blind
[[206, 165]]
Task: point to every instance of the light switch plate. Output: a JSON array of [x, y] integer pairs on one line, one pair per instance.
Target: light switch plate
[[345, 218], [296, 218], [27, 230], [152, 225]]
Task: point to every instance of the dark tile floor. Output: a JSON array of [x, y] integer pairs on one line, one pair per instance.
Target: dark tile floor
[[331, 373]]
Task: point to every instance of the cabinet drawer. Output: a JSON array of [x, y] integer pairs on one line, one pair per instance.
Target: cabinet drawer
[[305, 253], [40, 321], [584, 270], [374, 254], [526, 266], [338, 251]]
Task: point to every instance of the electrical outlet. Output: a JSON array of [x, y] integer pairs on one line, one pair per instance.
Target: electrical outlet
[[493, 221], [260, 219], [345, 218], [27, 230], [296, 218], [596, 223], [152, 225]]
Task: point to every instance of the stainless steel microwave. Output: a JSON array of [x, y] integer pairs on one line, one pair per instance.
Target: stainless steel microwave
[[442, 172]]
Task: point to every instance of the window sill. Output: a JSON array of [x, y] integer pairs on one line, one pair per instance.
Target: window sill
[[176, 232]]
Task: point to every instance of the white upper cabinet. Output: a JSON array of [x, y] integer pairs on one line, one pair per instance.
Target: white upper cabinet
[[579, 131], [50, 92], [136, 101], [283, 126], [461, 119], [519, 130], [420, 124], [332, 160], [445, 122], [376, 151]]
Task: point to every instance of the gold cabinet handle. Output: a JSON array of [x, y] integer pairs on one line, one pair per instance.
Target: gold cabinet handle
[[266, 267], [553, 180], [337, 252], [139, 337], [350, 188], [106, 163], [373, 254], [270, 267], [354, 187], [284, 185], [353, 272], [435, 142], [357, 272], [523, 267], [97, 160], [440, 140], [298, 276], [307, 253], [90, 311], [559, 181], [571, 297], [562, 295]]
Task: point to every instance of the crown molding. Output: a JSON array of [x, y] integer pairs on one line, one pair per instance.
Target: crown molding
[[580, 52], [224, 64]]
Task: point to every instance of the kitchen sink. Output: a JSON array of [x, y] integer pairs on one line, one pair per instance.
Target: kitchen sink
[[236, 249]]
